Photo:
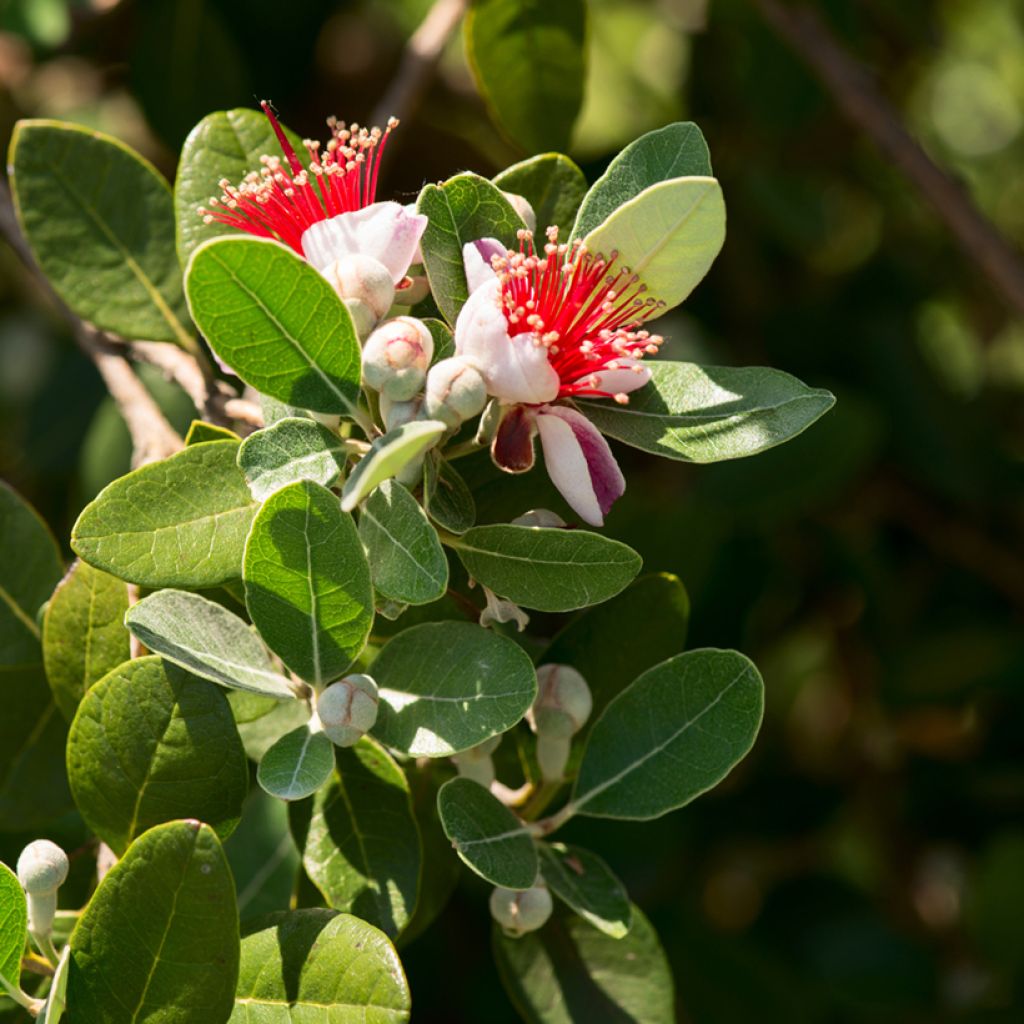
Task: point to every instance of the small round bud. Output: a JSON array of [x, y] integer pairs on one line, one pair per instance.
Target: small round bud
[[42, 867], [563, 702], [396, 414], [365, 285], [455, 391], [412, 289], [521, 912], [396, 357], [347, 709]]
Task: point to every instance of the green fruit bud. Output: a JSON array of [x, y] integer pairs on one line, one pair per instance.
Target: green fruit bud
[[521, 912], [396, 357], [365, 285], [347, 709], [455, 391]]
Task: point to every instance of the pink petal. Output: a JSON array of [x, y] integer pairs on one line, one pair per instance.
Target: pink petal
[[385, 231], [476, 259], [630, 375], [579, 462]]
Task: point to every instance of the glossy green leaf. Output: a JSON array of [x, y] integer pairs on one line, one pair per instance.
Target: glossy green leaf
[[161, 932], [307, 583], [386, 457], [669, 235], [710, 413], [448, 686], [276, 322], [30, 567], [318, 965], [552, 570], [586, 884], [360, 845], [297, 765], [570, 972], [13, 927], [528, 59], [226, 144], [673, 734], [207, 640], [84, 635], [447, 499], [407, 562], [56, 998], [463, 209], [486, 835], [292, 449], [554, 187], [181, 522], [675, 151], [110, 259], [150, 743], [200, 430]]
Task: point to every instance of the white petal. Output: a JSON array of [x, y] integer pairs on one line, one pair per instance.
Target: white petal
[[385, 231], [476, 259], [523, 207], [630, 376]]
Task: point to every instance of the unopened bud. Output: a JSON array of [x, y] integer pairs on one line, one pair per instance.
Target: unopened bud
[[365, 285], [397, 414], [455, 391], [477, 763], [396, 357], [347, 709], [563, 704], [42, 870], [521, 912], [412, 289]]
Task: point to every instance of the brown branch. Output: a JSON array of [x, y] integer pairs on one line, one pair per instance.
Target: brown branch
[[419, 59], [859, 98]]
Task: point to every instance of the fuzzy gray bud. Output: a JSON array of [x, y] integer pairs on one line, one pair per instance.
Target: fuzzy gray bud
[[396, 356], [347, 709], [455, 392], [521, 912], [365, 285], [42, 870]]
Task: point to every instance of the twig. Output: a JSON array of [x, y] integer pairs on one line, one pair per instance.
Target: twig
[[860, 100], [419, 59]]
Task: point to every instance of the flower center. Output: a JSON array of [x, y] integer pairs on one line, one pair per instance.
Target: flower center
[[283, 199], [585, 311]]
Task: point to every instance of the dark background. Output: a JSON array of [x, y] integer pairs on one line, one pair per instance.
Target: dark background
[[866, 861]]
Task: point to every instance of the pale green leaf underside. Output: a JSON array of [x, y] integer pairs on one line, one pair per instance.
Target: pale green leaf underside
[[290, 450], [297, 765]]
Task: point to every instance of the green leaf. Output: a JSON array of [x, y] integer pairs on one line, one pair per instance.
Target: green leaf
[[668, 235], [180, 522], [276, 322], [84, 634], [318, 965], [554, 187], [675, 151], [359, 841], [30, 567], [259, 735], [13, 926], [207, 640], [56, 999], [200, 430], [653, 612], [463, 209], [673, 734], [710, 413], [570, 972], [528, 60], [386, 457], [297, 765], [586, 884], [551, 570], [292, 449], [226, 144], [444, 340], [161, 932], [100, 221], [486, 835], [448, 686], [150, 743], [447, 499], [307, 583], [407, 562]]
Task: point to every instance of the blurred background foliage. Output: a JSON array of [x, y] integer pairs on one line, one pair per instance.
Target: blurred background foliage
[[866, 862]]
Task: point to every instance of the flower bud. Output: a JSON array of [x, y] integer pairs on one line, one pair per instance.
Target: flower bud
[[412, 289], [42, 870], [365, 285], [563, 702], [521, 912], [477, 763], [396, 357], [455, 391], [397, 414], [347, 709]]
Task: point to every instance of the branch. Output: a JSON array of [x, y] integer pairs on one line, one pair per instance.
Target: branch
[[419, 59], [859, 98]]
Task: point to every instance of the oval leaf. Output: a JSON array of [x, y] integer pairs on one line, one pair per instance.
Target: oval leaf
[[447, 499], [297, 765], [150, 743], [292, 449], [586, 884], [407, 562], [207, 640], [181, 522], [675, 732], [13, 926], [448, 686], [552, 184], [276, 322], [307, 583], [162, 932], [486, 835], [710, 413], [548, 569]]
